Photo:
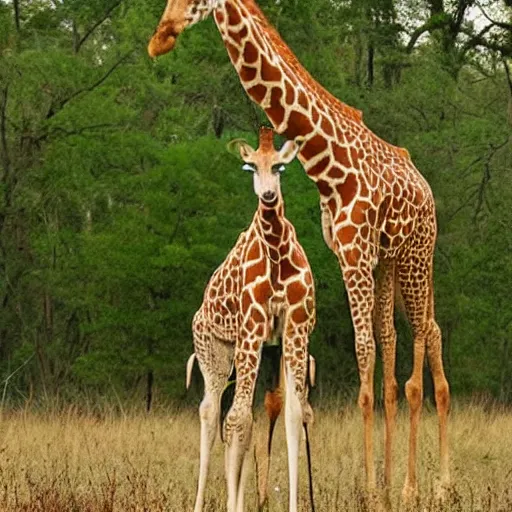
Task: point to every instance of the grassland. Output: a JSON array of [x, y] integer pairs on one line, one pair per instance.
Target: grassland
[[71, 462]]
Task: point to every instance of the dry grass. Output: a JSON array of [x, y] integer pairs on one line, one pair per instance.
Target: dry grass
[[75, 463]]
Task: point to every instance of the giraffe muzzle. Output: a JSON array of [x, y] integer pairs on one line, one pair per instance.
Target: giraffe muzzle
[[268, 196], [163, 40]]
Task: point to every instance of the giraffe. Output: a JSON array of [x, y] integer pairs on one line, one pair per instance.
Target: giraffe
[[263, 289], [377, 213]]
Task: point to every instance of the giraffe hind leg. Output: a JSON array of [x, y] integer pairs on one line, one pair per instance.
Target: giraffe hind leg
[[215, 378], [238, 424], [273, 407], [385, 334], [414, 280], [442, 393]]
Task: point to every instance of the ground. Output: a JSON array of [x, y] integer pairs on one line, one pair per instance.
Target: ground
[[133, 462]]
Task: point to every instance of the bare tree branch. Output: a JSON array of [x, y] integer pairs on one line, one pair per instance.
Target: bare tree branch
[[486, 178], [430, 25], [459, 17], [462, 205], [479, 191], [6, 162], [54, 110], [78, 131], [478, 40], [509, 78], [509, 81], [79, 42], [16, 6], [501, 24]]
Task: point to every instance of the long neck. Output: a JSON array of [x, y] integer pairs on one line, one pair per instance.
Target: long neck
[[294, 102], [339, 152], [271, 225]]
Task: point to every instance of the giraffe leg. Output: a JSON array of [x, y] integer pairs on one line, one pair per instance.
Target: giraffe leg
[[273, 407], [295, 368], [215, 378], [386, 336], [360, 289], [414, 279], [243, 480], [239, 422], [442, 392]]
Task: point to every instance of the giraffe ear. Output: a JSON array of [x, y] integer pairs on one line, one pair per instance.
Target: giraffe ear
[[289, 150], [240, 147]]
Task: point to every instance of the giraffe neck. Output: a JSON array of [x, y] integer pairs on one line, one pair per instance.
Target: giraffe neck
[[271, 226], [343, 157], [294, 102]]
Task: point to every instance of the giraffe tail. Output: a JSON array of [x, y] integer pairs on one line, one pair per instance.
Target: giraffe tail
[[312, 371], [190, 366]]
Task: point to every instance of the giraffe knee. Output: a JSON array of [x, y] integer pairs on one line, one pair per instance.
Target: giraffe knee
[[207, 410], [365, 402], [387, 333], [414, 394], [435, 330], [238, 423], [391, 394], [443, 397]]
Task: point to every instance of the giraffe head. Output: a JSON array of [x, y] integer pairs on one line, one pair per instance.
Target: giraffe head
[[266, 163], [178, 15]]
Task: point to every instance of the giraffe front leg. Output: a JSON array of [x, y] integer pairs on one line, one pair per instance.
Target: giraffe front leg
[[360, 289], [442, 392], [297, 410], [239, 422]]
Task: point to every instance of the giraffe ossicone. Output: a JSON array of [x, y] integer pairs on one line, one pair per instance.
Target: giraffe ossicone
[[377, 210], [263, 289]]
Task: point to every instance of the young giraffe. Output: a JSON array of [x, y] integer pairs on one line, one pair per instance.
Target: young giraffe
[[263, 289], [377, 209]]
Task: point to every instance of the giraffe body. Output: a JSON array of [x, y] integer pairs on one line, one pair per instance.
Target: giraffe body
[[263, 289], [377, 210]]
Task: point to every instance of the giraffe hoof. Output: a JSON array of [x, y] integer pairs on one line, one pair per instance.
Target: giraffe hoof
[[386, 505], [374, 500], [442, 492], [263, 505], [410, 496]]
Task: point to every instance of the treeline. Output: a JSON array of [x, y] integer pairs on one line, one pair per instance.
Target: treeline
[[118, 198]]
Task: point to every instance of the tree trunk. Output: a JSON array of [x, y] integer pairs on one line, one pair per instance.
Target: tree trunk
[[370, 65], [149, 390], [505, 380], [76, 37], [16, 5]]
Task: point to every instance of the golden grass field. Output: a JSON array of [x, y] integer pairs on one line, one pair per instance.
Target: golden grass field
[[69, 462]]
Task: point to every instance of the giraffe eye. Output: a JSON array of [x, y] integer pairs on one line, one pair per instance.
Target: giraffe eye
[[278, 168], [249, 168]]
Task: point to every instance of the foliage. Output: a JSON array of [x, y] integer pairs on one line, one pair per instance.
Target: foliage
[[118, 198]]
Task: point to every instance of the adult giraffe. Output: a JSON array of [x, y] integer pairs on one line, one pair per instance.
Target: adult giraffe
[[377, 210]]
